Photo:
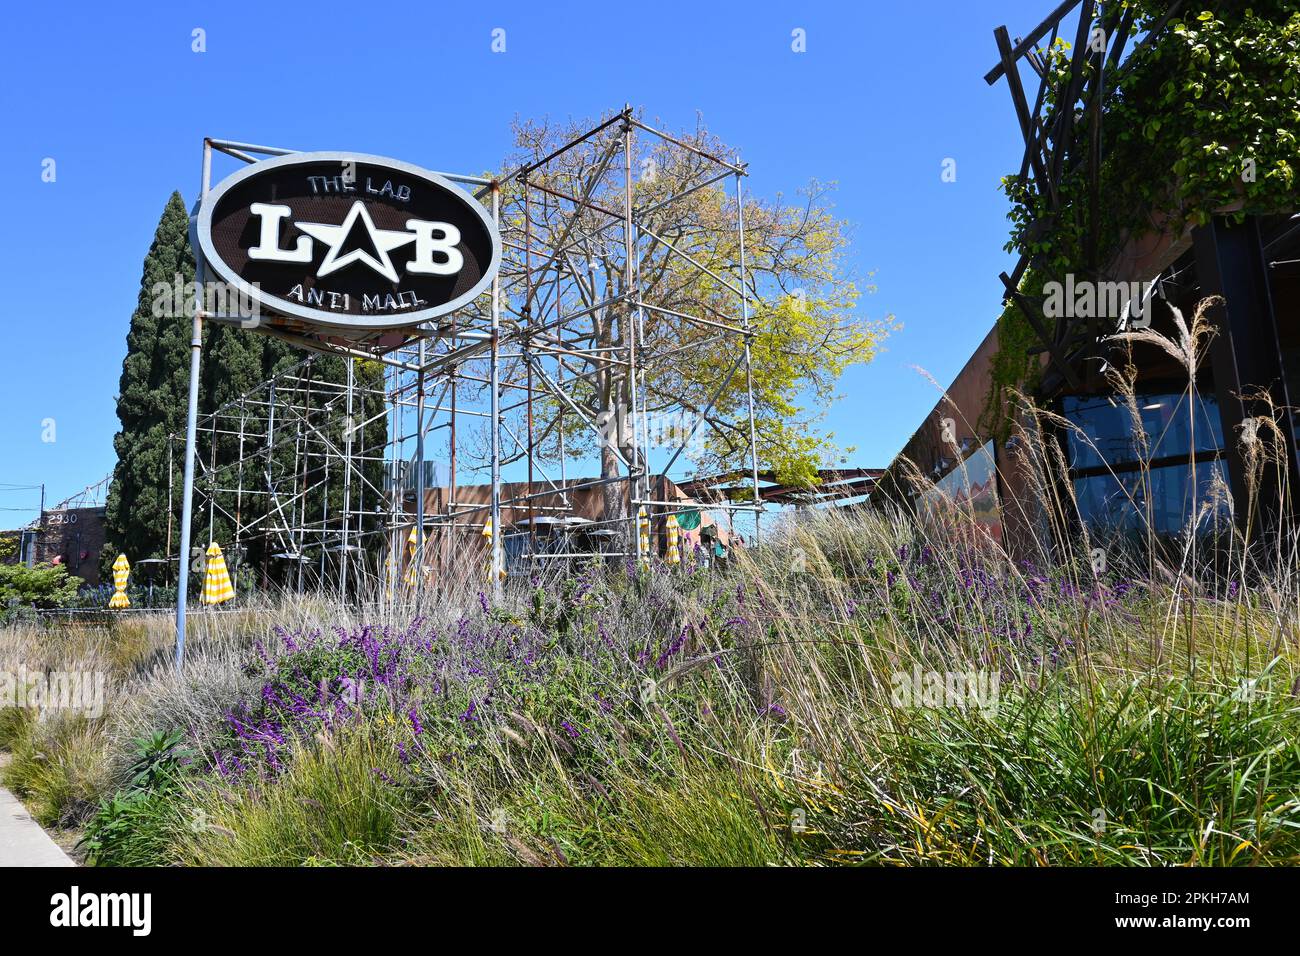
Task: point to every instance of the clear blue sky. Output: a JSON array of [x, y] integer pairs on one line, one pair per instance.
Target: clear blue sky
[[884, 93]]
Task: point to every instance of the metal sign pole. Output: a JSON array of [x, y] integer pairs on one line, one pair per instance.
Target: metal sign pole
[[191, 433]]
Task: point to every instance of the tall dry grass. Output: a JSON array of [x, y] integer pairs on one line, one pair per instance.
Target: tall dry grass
[[1144, 712]]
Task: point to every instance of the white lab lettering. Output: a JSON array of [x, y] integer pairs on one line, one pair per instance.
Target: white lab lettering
[[268, 243], [426, 244]]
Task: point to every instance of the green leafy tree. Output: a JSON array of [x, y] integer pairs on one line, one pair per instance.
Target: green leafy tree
[[1203, 119], [801, 295]]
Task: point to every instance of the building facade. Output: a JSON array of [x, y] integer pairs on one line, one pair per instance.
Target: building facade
[[1175, 446]]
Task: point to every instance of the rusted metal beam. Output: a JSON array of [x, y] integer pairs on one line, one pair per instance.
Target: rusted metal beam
[[1053, 350], [1021, 105]]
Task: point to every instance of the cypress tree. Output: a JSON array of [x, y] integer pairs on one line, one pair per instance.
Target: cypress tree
[[152, 394]]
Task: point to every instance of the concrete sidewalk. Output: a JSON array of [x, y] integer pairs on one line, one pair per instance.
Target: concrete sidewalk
[[22, 841]]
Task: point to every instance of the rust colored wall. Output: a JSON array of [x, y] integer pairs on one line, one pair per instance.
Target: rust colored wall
[[964, 402]]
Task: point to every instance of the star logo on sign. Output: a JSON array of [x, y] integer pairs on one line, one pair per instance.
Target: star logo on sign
[[357, 240]]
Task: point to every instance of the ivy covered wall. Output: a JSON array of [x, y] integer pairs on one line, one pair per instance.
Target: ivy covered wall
[[1202, 120]]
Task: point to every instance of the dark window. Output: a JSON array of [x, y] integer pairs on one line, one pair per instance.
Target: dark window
[[1108, 424], [1119, 504]]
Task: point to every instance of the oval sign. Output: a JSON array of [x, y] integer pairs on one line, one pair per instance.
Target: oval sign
[[346, 240]]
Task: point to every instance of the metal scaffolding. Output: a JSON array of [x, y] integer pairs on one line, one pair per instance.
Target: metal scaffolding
[[292, 468], [571, 353]]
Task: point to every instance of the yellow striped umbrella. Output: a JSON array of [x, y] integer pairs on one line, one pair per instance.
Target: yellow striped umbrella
[[674, 555], [643, 523], [216, 580], [121, 572]]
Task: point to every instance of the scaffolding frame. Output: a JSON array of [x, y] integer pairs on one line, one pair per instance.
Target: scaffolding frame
[[528, 341]]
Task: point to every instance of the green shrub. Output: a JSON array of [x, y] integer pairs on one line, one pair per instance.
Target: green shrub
[[42, 585], [1152, 772], [1152, 724], [134, 826]]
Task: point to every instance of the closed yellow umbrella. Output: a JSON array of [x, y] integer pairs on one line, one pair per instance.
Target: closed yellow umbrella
[[487, 533], [413, 540], [216, 580], [674, 555], [121, 573], [643, 524]]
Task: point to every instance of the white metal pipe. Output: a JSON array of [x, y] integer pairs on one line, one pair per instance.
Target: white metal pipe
[[191, 433]]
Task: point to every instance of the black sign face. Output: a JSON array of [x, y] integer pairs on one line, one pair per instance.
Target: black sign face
[[345, 240]]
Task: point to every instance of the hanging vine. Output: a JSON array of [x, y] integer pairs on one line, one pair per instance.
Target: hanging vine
[[1012, 366]]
